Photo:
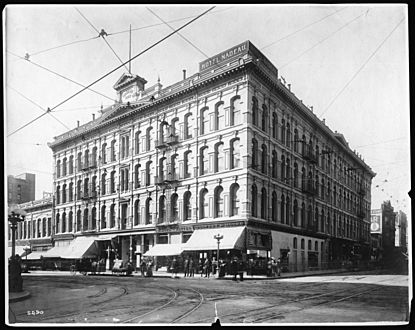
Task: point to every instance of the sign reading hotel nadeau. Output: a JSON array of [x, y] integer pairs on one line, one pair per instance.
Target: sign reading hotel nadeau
[[230, 53]]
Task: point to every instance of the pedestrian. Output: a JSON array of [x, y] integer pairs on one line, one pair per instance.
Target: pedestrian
[[273, 267], [214, 265], [149, 268], [173, 268], [191, 268], [186, 267], [250, 267], [234, 268], [269, 267], [143, 266], [207, 267], [279, 267], [200, 267]]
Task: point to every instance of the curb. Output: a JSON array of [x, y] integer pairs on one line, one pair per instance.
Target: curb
[[18, 296]]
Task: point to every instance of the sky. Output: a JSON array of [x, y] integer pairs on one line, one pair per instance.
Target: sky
[[350, 62]]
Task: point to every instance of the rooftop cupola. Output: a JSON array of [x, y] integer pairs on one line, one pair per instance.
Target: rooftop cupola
[[129, 87]]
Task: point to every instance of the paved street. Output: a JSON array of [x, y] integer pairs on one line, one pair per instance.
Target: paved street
[[346, 297]]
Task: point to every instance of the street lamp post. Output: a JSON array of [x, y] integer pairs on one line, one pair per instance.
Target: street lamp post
[[218, 237], [15, 215], [26, 249], [107, 266]]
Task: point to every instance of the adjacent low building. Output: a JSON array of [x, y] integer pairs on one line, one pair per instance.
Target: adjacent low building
[[229, 150]]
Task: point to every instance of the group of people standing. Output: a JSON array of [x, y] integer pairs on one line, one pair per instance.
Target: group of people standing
[[146, 267]]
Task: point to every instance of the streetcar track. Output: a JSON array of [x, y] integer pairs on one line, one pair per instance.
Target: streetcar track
[[192, 310]]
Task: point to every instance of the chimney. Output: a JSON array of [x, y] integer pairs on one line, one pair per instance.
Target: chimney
[[77, 123], [93, 116], [184, 74], [289, 87]]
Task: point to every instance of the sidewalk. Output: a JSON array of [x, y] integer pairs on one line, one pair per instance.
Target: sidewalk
[[161, 274]]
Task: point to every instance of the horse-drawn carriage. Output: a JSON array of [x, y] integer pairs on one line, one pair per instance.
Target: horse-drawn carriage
[[85, 266]]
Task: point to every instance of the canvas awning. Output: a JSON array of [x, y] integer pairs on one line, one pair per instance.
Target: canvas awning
[[104, 237], [35, 255], [203, 239], [80, 247], [165, 250]]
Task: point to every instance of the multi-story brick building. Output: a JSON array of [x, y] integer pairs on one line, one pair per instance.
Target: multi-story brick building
[[21, 188], [35, 231], [227, 150]]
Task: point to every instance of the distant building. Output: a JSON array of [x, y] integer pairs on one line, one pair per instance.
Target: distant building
[[382, 230], [401, 225], [36, 229], [21, 188]]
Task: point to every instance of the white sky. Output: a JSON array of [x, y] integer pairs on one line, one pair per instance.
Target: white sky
[[319, 61]]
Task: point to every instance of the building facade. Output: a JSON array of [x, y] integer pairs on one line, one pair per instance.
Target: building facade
[[21, 188], [401, 225], [230, 146], [35, 231]]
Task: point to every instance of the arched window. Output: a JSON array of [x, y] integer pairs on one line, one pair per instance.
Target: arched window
[[282, 168], [287, 211], [318, 155], [254, 154], [309, 217], [204, 161], [149, 139], [294, 242], [295, 213], [164, 131], [254, 200], [57, 224], [187, 164], [316, 220], [137, 142], [302, 244], [162, 175], [78, 220], [112, 216], [317, 183], [79, 162], [137, 175], [148, 208], [264, 159], [104, 153], [219, 157], [174, 208], [148, 173], [94, 185], [309, 244], [219, 116], [282, 209], [274, 125], [187, 206], [204, 120], [322, 189], [86, 187], [254, 111], [112, 182], [289, 137], [283, 131], [94, 156], [64, 167], [70, 222], [274, 206], [295, 175], [64, 193], [188, 126], [70, 164], [58, 168], [218, 202], [235, 110], [113, 154], [204, 204], [85, 220], [86, 158], [103, 183], [234, 199], [235, 153], [162, 209], [58, 194], [174, 127], [264, 118], [288, 170], [274, 164], [296, 139], [103, 217], [94, 218], [70, 192], [322, 223], [264, 202]]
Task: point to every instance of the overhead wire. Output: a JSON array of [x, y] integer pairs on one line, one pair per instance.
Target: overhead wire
[[362, 66], [33, 102], [322, 40], [101, 35], [64, 45], [301, 29], [387, 141], [118, 67], [60, 75], [179, 34]]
